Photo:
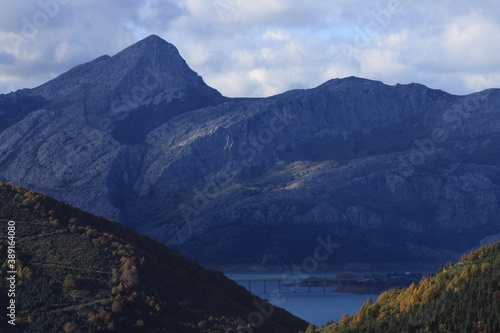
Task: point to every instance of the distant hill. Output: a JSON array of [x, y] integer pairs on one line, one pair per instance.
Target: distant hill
[[464, 297], [80, 273]]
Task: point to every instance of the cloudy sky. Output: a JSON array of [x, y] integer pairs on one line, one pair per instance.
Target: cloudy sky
[[264, 47]]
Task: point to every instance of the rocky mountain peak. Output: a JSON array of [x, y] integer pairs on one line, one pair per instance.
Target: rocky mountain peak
[[149, 44], [150, 65], [156, 55], [138, 137]]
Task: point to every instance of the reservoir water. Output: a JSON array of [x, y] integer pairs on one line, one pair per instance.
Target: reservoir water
[[316, 305]]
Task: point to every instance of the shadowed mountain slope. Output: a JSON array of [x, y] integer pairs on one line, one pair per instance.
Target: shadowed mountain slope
[[395, 174], [80, 273]]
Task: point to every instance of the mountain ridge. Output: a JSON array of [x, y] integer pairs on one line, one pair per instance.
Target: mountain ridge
[[351, 157], [151, 64]]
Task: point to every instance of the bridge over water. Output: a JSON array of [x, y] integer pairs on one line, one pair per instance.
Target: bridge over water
[[282, 286]]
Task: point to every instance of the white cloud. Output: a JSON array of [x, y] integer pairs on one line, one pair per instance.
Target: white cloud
[[263, 47], [276, 34]]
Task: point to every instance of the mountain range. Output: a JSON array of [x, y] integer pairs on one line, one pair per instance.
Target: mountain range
[[393, 175]]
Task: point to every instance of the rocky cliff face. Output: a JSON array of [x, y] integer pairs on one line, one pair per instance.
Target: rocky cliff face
[[391, 173]]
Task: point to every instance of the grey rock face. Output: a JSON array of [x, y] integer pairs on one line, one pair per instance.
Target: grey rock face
[[140, 138], [363, 217]]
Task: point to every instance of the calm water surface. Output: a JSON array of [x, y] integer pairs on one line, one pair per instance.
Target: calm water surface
[[316, 305]]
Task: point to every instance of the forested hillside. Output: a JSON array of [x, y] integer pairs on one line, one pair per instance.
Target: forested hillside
[[464, 297], [80, 273]]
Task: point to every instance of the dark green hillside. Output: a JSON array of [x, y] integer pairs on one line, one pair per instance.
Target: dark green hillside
[[464, 297], [80, 273]]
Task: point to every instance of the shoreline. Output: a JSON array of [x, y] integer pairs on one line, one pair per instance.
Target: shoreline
[[422, 266], [358, 290]]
